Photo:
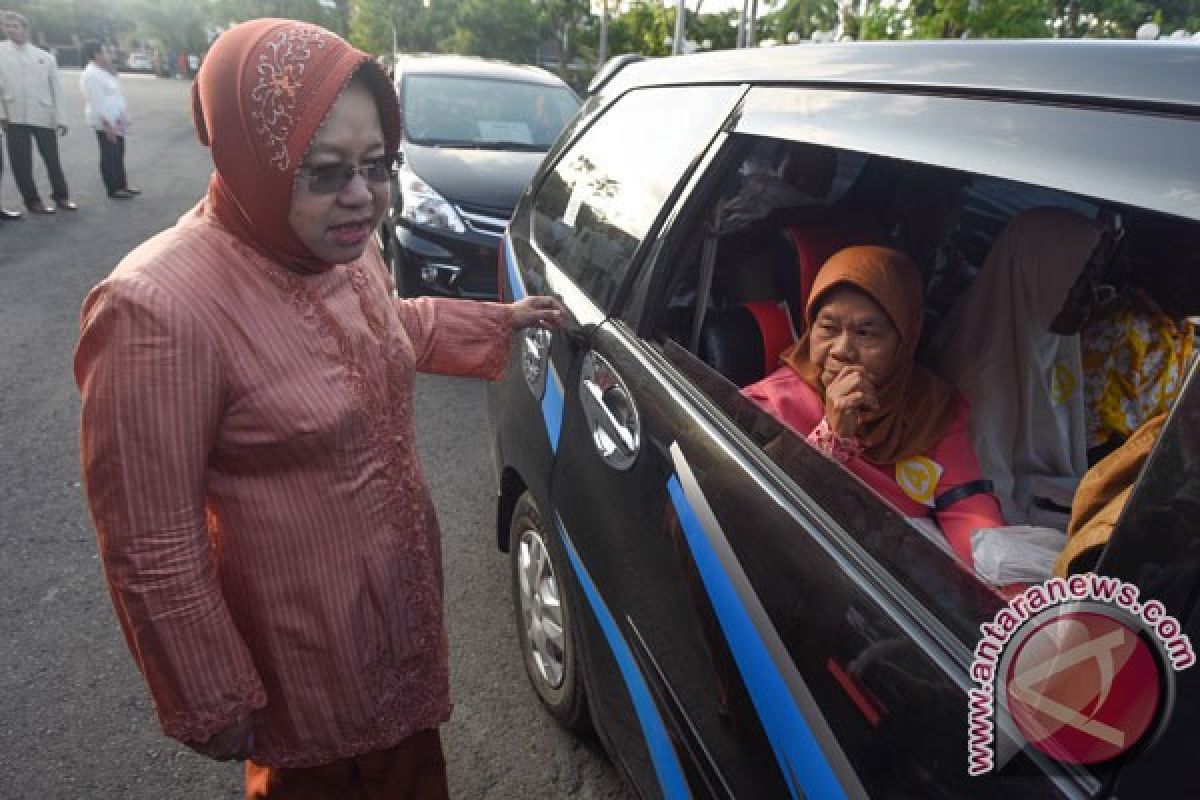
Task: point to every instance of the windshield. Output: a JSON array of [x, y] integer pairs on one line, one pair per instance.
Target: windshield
[[441, 110]]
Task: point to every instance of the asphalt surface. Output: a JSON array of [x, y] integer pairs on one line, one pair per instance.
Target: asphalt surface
[[75, 718]]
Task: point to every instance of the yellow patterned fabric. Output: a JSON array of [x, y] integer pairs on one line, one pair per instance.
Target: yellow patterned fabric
[[1134, 358]]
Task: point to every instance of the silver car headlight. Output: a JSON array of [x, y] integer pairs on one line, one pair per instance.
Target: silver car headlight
[[423, 206]]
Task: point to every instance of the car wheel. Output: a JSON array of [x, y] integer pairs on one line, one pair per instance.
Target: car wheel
[[545, 629]]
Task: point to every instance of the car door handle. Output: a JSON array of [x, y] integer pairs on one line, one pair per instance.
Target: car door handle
[[535, 352], [611, 414], [608, 404]]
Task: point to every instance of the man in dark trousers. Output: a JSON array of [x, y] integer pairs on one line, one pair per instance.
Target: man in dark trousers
[[33, 106], [4, 212], [104, 109]]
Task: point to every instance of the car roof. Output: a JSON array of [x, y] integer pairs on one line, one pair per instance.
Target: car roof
[[474, 67], [1160, 75]]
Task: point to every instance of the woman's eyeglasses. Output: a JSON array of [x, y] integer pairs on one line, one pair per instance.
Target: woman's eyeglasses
[[333, 178]]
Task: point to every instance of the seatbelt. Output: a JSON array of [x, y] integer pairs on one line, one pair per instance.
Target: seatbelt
[[708, 265]]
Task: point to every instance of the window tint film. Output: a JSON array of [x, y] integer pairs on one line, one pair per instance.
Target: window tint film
[[599, 202], [441, 110]]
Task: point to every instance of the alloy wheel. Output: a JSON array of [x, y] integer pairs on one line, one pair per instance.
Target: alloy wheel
[[541, 608]]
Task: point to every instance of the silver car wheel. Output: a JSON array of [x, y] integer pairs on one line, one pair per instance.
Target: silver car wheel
[[541, 608]]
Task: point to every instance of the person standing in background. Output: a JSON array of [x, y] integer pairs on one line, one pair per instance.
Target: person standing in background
[[105, 111], [4, 213], [34, 110]]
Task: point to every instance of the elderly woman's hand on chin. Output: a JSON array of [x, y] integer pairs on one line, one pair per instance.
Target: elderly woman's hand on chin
[[540, 310], [847, 396]]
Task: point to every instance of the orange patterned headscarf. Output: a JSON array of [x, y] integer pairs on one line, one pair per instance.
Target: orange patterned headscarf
[[916, 408], [259, 99]]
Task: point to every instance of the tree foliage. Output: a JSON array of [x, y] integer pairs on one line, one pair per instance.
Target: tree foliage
[[179, 26], [506, 29], [802, 17], [567, 30]]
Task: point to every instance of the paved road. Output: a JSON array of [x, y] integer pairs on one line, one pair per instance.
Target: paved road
[[75, 720]]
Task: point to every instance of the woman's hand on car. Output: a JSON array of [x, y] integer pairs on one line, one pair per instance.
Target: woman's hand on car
[[847, 397], [540, 310]]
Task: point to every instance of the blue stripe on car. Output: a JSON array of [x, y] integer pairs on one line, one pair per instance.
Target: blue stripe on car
[[552, 397], [662, 753], [796, 747], [552, 406], [514, 276]]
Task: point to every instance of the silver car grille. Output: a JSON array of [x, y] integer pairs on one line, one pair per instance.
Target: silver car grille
[[484, 221]]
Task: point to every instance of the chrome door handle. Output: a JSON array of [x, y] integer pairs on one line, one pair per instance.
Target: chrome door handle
[[611, 414], [535, 352]]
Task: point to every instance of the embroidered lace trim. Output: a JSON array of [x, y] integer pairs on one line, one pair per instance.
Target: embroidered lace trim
[[281, 68], [246, 695], [839, 449], [411, 692]]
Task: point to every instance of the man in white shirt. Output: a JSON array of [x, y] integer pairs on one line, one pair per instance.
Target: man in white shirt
[[4, 212], [33, 106], [104, 109]]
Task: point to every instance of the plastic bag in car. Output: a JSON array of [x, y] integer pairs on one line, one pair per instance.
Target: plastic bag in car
[[1016, 553]]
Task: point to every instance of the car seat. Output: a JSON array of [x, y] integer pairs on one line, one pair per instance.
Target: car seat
[[811, 246], [764, 283]]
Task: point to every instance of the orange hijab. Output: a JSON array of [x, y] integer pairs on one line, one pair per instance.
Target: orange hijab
[[916, 408], [259, 99]]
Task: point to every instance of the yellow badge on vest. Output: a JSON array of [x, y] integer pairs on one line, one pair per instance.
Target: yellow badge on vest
[[918, 477]]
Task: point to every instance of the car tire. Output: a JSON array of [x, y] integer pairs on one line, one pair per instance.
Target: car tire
[[545, 617]]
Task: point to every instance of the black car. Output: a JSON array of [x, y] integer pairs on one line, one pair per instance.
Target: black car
[[733, 613], [473, 133]]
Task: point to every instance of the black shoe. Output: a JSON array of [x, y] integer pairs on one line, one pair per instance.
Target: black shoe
[[66, 205], [6, 214], [133, 190], [121, 194], [38, 207]]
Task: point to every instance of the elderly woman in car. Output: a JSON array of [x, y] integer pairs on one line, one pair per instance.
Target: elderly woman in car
[[850, 386]]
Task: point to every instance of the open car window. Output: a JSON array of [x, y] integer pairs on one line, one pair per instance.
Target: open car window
[[732, 299]]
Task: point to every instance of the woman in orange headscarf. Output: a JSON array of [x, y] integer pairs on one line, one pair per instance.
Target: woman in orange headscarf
[[247, 437], [851, 388]]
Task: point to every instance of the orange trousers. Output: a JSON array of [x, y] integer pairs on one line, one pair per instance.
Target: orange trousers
[[415, 769]]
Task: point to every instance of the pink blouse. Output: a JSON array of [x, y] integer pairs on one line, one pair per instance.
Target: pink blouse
[[268, 538], [911, 485]]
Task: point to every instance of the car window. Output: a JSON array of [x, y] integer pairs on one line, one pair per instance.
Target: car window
[[736, 269], [441, 110], [600, 200]]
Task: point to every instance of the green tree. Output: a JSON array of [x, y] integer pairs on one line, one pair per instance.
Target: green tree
[[719, 29], [64, 21], [180, 25], [801, 16], [420, 27], [226, 12], [643, 29], [881, 22], [371, 25], [504, 29], [1011, 19], [561, 19], [940, 19]]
